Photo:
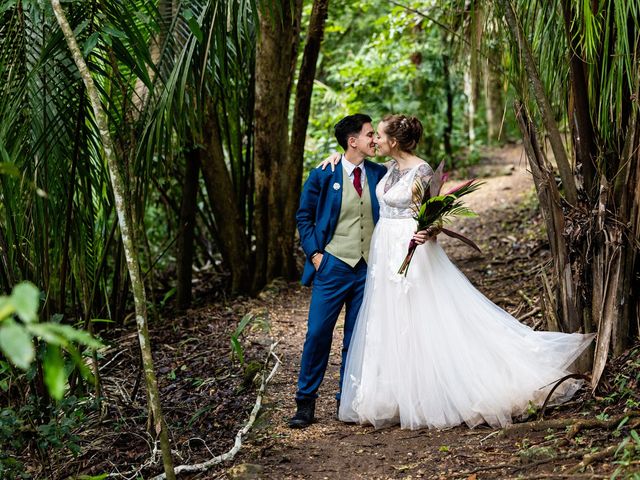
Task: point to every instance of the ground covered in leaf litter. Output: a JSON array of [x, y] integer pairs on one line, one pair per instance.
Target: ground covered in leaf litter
[[207, 395]]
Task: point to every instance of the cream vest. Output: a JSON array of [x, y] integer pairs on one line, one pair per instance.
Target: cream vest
[[352, 237]]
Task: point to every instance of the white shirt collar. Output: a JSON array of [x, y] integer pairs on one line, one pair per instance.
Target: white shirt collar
[[350, 167]]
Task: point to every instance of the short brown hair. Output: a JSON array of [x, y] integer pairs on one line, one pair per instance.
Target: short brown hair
[[350, 126]]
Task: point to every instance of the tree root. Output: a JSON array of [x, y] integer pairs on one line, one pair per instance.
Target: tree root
[[572, 476], [575, 426], [201, 467], [543, 461], [516, 468], [589, 458], [531, 313]]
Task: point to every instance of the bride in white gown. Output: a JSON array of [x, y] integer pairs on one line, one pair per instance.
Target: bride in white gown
[[428, 349]]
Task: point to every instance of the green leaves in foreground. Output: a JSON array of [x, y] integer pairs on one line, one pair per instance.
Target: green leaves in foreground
[[16, 344], [236, 347], [258, 319], [17, 338]]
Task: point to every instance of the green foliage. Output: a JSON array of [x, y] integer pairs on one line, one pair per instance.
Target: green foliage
[[17, 338], [251, 370], [441, 208], [155, 71], [627, 457], [606, 40], [16, 344], [46, 428], [378, 59], [626, 386], [236, 347], [11, 468], [258, 320]]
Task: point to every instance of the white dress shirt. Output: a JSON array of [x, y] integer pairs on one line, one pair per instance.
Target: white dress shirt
[[350, 167]]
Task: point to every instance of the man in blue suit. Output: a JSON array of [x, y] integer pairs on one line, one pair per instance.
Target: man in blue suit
[[338, 210]]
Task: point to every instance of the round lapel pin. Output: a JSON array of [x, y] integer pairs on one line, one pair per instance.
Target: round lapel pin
[[336, 186]]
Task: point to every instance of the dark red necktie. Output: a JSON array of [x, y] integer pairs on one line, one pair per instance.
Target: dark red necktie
[[356, 180]]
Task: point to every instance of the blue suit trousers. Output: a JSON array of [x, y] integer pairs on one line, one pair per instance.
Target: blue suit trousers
[[336, 284]]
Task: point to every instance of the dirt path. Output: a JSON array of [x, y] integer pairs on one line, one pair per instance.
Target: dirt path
[[331, 449]]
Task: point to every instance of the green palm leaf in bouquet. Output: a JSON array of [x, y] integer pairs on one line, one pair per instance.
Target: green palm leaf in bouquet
[[433, 209]]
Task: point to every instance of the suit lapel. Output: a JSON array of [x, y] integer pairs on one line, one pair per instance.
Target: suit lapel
[[336, 198], [372, 180]]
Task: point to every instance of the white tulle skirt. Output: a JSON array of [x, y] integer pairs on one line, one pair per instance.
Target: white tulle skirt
[[430, 350]]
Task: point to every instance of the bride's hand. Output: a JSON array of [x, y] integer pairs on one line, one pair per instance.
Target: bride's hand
[[333, 160], [423, 236]]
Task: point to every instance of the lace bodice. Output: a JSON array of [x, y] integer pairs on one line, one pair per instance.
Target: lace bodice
[[395, 190]]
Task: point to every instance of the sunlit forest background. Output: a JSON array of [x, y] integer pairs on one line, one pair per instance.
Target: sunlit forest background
[[417, 64], [152, 157]]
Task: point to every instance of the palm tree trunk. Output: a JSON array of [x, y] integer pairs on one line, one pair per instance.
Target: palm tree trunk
[[64, 263], [472, 74], [555, 138], [549, 198], [5, 264], [187, 225], [614, 265], [494, 101], [471, 108], [448, 128], [580, 118], [124, 218]]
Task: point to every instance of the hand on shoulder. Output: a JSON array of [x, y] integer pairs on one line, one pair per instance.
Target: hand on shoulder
[[333, 160]]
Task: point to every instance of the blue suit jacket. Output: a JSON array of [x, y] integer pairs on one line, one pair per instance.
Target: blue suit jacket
[[319, 209]]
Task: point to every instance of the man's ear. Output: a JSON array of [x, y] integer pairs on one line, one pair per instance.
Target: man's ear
[[352, 142]]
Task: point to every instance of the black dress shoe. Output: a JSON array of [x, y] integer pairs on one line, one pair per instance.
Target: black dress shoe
[[304, 414], [338, 409]]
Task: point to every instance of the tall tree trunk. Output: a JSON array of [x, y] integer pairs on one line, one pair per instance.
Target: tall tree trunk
[[494, 101], [550, 124], [579, 115], [448, 128], [472, 74], [550, 205], [630, 318], [471, 107], [304, 90], [234, 244], [124, 218], [5, 264], [614, 266], [64, 262], [186, 227], [276, 55]]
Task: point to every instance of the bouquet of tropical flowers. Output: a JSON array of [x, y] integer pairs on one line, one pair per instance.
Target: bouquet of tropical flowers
[[433, 209]]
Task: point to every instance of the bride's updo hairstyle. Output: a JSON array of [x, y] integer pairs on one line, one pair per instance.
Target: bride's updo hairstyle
[[406, 130]]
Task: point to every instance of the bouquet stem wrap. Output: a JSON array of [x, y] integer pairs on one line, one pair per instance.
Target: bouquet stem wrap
[[407, 260]]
